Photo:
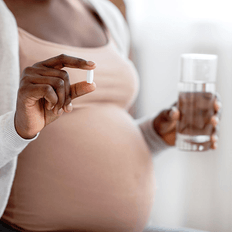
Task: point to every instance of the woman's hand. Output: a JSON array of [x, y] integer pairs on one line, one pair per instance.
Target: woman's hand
[[165, 123], [45, 93]]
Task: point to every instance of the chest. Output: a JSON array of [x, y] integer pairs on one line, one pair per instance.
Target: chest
[[115, 76], [68, 22]]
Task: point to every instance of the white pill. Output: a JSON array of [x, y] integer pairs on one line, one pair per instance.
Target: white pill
[[90, 76]]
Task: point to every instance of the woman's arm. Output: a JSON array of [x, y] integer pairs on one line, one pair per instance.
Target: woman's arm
[[11, 144], [158, 131], [154, 141]]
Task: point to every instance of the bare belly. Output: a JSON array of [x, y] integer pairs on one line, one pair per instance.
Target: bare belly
[[90, 170]]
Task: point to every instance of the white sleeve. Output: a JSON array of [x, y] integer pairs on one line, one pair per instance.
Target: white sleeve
[[154, 141], [11, 143]]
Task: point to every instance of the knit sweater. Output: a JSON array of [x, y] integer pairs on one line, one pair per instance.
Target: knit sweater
[[11, 144]]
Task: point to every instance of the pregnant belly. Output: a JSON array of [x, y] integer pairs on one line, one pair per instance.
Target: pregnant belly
[[88, 171]]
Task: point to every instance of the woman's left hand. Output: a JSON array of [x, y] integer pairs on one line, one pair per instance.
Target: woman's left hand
[[165, 123]]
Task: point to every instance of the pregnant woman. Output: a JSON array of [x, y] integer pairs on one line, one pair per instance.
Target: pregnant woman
[[83, 163]]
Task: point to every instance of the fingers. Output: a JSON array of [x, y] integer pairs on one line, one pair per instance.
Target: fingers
[[33, 93], [59, 81], [62, 88], [45, 72], [166, 121], [52, 90], [214, 138], [217, 105], [59, 86], [215, 121], [63, 60], [174, 113], [214, 141], [81, 88]]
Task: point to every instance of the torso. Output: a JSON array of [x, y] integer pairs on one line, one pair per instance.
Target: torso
[[52, 27], [90, 170]]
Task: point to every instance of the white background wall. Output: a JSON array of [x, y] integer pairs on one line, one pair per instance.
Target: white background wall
[[194, 189]]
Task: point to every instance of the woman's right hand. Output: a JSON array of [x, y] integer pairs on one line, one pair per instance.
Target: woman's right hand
[[45, 93]]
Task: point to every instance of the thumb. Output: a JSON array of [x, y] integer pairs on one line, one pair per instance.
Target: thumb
[[81, 88], [166, 121]]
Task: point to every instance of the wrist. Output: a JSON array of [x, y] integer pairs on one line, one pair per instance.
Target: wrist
[[168, 138], [155, 127], [21, 129]]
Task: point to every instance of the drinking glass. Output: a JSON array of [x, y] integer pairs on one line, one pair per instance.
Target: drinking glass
[[196, 101]]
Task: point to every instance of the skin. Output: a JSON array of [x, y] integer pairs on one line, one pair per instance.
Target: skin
[[46, 85], [165, 123], [60, 21], [121, 6], [45, 93]]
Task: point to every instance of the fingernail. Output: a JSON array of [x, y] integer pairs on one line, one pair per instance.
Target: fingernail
[[171, 113], [219, 105], [90, 63], [69, 107], [215, 145], [173, 110], [60, 111], [215, 121], [215, 138], [50, 106]]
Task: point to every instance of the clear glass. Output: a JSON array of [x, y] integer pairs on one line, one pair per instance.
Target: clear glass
[[198, 67], [196, 106]]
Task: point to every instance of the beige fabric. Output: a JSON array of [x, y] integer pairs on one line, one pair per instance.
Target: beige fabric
[[11, 144], [91, 168]]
